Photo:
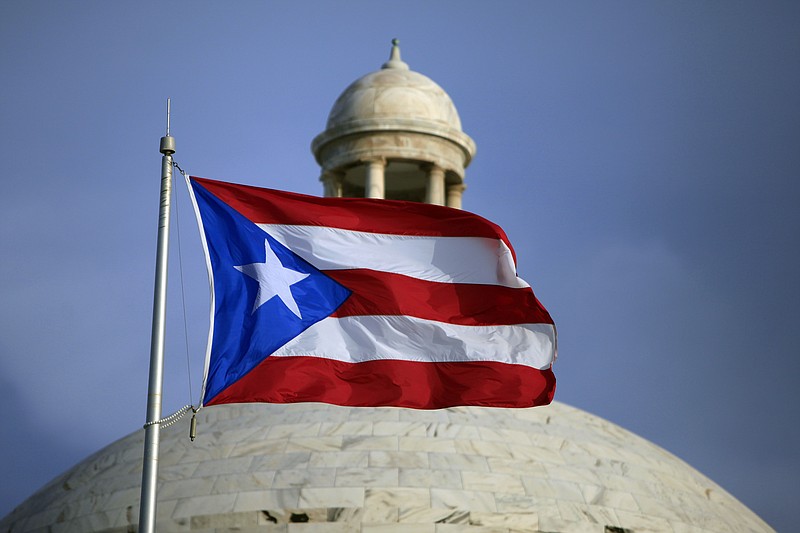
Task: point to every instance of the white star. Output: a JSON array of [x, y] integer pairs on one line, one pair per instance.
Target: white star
[[273, 279]]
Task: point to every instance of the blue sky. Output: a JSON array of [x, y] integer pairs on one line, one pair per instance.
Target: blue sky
[[643, 158]]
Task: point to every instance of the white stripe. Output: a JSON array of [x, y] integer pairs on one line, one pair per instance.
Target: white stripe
[[364, 338], [443, 259]]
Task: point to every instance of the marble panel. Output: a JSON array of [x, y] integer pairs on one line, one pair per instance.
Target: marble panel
[[458, 528], [311, 497], [87, 504], [321, 527], [424, 477], [372, 477], [422, 515], [259, 447], [351, 515], [258, 500], [572, 473], [504, 435], [483, 448], [488, 482], [164, 510], [304, 477], [517, 521], [398, 528], [43, 518], [217, 467], [661, 508], [127, 517], [283, 516], [597, 495], [376, 414], [565, 526], [231, 435], [350, 427], [463, 499], [227, 520], [261, 480], [539, 415], [203, 449], [123, 498], [390, 459], [281, 431], [384, 428], [427, 444], [624, 484], [719, 523], [641, 523], [517, 503], [419, 415], [454, 431], [132, 454], [451, 461], [202, 505], [680, 483], [681, 527], [172, 472], [397, 497], [503, 465], [380, 514], [288, 460], [316, 444], [581, 512], [93, 522], [358, 459], [568, 491], [540, 488], [367, 442], [176, 489], [535, 453]]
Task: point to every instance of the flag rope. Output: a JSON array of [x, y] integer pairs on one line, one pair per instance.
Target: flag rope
[[183, 291]]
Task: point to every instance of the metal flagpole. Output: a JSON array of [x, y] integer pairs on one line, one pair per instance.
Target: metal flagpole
[[147, 507]]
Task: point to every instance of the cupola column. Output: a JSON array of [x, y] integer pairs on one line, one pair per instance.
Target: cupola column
[[434, 193], [375, 185], [332, 183], [454, 193]]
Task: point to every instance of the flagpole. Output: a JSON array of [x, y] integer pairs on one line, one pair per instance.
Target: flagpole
[[147, 507]]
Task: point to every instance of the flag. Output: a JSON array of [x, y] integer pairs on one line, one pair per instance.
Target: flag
[[365, 302]]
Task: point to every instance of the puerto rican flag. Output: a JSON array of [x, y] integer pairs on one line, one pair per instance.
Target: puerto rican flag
[[364, 302]]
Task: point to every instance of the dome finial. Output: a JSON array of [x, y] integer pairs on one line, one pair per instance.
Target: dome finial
[[394, 57]]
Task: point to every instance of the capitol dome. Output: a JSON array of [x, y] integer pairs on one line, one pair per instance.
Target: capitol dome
[[323, 468]]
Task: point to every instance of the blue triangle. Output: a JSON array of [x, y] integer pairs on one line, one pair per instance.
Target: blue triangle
[[242, 338]]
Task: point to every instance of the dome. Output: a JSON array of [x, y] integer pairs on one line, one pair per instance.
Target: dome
[[394, 94], [314, 467]]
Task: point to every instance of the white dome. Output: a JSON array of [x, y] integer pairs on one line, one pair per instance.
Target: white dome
[[258, 467], [374, 110], [394, 93]]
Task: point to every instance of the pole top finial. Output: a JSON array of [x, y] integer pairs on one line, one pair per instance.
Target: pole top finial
[[394, 58], [167, 146]]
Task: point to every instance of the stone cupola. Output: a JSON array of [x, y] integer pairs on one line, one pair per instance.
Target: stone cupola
[[395, 134]]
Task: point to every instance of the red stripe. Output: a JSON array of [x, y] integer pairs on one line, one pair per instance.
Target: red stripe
[[267, 206], [385, 293], [391, 383]]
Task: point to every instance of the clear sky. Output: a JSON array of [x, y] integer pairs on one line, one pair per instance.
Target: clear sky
[[643, 157]]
